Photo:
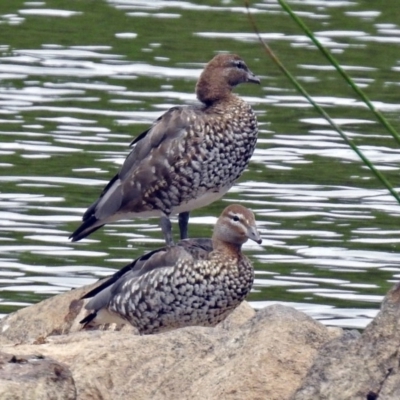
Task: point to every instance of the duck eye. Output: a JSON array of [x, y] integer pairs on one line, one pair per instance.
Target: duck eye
[[239, 64]]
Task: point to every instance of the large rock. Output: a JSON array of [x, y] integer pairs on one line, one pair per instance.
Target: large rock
[[53, 316], [277, 353], [360, 367], [34, 377], [249, 356]]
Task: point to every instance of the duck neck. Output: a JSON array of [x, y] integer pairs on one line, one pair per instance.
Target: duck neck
[[230, 248], [210, 91]]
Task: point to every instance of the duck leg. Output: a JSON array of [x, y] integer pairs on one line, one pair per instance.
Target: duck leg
[[166, 229], [183, 224]]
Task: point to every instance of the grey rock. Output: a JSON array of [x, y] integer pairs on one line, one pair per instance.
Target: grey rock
[[263, 355], [364, 367], [53, 316], [34, 377]]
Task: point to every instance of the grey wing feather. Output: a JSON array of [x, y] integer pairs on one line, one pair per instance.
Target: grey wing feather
[[156, 151], [168, 127], [147, 168], [161, 259], [198, 248]]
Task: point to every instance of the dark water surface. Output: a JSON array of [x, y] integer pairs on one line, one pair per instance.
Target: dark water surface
[[79, 80]]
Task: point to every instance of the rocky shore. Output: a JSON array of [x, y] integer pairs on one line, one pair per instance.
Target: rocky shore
[[277, 353]]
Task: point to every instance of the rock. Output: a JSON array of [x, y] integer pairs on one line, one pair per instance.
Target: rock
[[53, 316], [238, 317], [266, 357], [360, 366], [276, 353], [34, 377]]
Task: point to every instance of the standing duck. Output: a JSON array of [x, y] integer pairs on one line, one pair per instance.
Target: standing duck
[[189, 158], [197, 282]]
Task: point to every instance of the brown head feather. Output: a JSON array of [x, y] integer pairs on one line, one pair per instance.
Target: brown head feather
[[234, 227], [220, 76]]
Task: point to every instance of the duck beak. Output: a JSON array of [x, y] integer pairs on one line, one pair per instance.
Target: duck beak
[[252, 78], [252, 233]]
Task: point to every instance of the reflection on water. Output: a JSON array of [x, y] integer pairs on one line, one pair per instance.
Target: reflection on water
[[72, 100]]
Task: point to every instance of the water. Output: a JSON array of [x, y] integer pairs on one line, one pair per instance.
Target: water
[[80, 80]]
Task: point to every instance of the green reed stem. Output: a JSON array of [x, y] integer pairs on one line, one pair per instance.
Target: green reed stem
[[333, 61], [268, 50]]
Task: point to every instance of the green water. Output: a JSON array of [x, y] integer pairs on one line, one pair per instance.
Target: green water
[[74, 92]]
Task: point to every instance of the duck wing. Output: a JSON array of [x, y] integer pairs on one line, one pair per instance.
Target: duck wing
[[146, 169], [190, 249], [198, 248]]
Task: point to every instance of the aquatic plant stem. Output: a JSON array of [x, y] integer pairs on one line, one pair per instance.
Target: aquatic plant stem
[[348, 141], [333, 61]]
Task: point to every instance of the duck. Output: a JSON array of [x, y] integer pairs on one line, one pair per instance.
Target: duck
[[196, 282], [188, 158]]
